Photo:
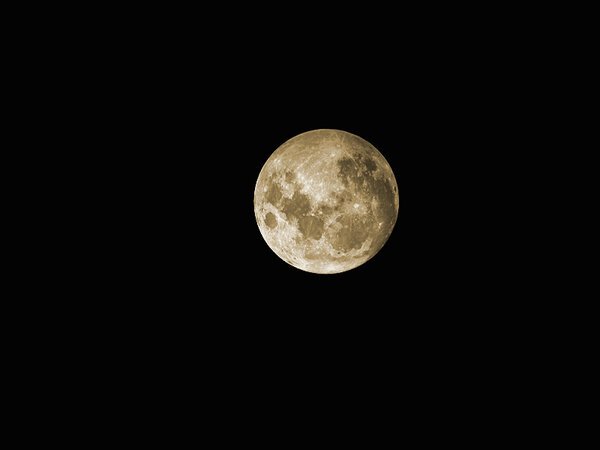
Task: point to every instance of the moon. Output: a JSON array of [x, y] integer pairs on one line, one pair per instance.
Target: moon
[[326, 201]]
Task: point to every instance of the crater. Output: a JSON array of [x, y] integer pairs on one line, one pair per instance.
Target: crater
[[290, 176], [270, 220]]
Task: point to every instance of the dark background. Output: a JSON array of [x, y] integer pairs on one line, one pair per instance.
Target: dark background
[[187, 118], [190, 124], [174, 297], [201, 142]]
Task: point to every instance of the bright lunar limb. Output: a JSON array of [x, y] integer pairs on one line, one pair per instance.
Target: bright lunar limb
[[326, 201]]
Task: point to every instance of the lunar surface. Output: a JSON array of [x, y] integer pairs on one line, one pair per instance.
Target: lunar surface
[[326, 201]]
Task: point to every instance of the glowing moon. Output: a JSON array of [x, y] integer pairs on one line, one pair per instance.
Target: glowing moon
[[326, 201]]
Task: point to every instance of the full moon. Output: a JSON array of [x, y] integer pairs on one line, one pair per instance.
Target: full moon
[[326, 201]]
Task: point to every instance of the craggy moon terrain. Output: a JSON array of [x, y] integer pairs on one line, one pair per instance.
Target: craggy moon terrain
[[326, 201]]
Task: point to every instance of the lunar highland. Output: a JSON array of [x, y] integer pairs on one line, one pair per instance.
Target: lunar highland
[[326, 201]]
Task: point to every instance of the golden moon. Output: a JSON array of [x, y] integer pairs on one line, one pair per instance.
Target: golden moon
[[326, 201]]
